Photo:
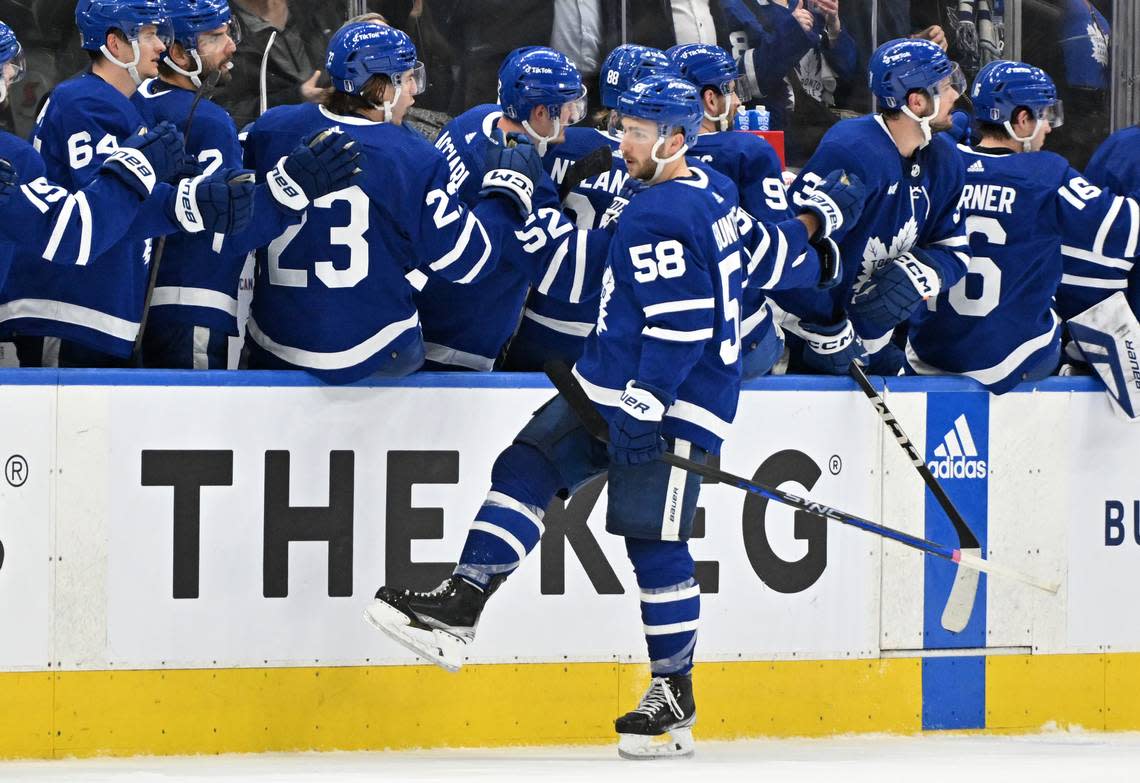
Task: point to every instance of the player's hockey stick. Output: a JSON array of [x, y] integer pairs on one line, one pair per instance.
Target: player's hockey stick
[[956, 614], [589, 165], [207, 85], [568, 386]]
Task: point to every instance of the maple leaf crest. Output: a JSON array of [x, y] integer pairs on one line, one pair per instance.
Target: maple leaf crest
[[876, 253], [607, 292]]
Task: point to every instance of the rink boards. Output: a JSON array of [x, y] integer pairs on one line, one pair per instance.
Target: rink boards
[[187, 557]]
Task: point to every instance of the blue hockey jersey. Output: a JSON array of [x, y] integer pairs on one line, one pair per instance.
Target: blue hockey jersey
[[1116, 166], [331, 295], [46, 222], [100, 303], [754, 167], [553, 327], [910, 202], [195, 285], [669, 314], [1021, 210], [468, 326]]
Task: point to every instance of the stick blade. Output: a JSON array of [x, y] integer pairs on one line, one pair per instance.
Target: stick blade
[[963, 595]]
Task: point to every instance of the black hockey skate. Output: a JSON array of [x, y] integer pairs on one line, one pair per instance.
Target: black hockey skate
[[666, 708], [437, 625]]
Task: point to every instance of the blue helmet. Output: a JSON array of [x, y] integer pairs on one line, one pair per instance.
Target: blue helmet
[[705, 65], [11, 60], [1002, 87], [625, 65], [539, 76], [189, 20], [669, 101], [906, 64], [96, 18], [362, 50]]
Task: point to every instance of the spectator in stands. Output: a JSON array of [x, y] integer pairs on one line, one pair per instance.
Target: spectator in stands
[[291, 36]]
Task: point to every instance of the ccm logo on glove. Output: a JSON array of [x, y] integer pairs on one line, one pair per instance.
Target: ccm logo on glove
[[925, 279]]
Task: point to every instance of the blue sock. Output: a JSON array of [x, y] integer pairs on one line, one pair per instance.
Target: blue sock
[[670, 602], [509, 523]]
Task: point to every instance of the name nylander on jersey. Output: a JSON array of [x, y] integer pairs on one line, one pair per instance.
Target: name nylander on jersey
[[1022, 211], [468, 326], [331, 294], [100, 303], [669, 312], [910, 202]]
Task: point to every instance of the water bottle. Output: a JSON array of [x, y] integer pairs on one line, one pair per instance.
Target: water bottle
[[757, 119]]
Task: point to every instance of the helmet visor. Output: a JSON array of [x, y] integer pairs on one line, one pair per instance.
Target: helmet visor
[[956, 81], [14, 69], [1054, 115], [638, 129], [215, 41], [573, 110], [158, 30], [414, 81], [737, 87]]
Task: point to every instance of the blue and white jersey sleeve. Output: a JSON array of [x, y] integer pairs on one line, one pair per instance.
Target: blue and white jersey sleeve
[[943, 237], [778, 256], [1099, 236]]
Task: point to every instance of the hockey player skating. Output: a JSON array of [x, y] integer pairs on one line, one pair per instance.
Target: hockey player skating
[[1023, 207], [663, 368], [331, 296], [753, 166], [910, 243], [553, 327]]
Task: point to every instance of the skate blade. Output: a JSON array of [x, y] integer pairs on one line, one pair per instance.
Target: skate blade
[[642, 747], [441, 648]]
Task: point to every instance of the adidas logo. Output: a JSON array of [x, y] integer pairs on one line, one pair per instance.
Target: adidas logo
[[469, 137], [957, 456], [976, 167], [893, 189]]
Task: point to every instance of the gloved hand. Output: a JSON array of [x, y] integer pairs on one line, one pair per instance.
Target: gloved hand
[[893, 292], [613, 212], [829, 350], [142, 161], [961, 127], [324, 163], [221, 203], [830, 263], [513, 168], [837, 201], [8, 181], [635, 430]]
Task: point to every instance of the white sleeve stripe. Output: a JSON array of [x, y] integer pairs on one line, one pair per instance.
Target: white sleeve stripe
[[1069, 196], [1095, 258], [32, 197], [1133, 227], [555, 265], [85, 221], [451, 256], [677, 336], [781, 256], [955, 241], [757, 255], [62, 220], [753, 321], [1093, 282], [475, 270], [579, 268], [1106, 225], [679, 306], [963, 257]]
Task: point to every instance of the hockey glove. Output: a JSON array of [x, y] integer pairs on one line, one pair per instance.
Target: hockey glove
[[142, 161], [829, 350], [324, 163], [837, 201], [8, 181], [613, 212], [513, 170], [893, 292], [830, 263], [635, 429], [221, 203]]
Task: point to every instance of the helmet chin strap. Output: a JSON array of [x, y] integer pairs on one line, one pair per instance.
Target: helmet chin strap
[[924, 122], [3, 89], [1026, 141], [722, 120], [540, 141], [132, 67], [388, 106], [194, 76], [663, 162]]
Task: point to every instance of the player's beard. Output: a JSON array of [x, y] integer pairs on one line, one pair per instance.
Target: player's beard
[[226, 69], [642, 170]]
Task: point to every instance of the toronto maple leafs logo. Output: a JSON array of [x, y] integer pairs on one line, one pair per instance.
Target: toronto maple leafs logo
[[607, 292], [877, 253], [1099, 43]]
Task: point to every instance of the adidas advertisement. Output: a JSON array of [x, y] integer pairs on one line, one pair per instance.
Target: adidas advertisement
[[956, 455]]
